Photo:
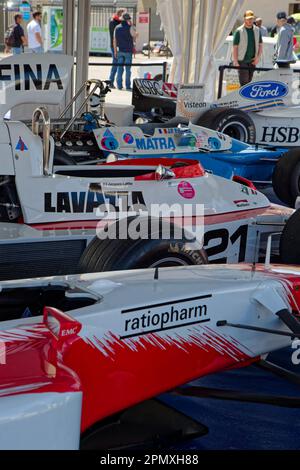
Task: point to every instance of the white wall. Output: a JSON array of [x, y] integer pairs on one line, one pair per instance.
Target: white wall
[[267, 9]]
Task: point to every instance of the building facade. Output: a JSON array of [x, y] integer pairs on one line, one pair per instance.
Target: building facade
[[267, 9]]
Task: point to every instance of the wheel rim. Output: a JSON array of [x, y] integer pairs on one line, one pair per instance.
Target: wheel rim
[[169, 262], [236, 130]]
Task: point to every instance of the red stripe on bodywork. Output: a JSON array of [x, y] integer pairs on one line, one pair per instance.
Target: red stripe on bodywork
[[212, 219]]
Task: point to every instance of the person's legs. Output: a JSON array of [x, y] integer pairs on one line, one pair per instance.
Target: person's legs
[[244, 74], [121, 61], [37, 50], [16, 50], [114, 68], [251, 72], [128, 60]]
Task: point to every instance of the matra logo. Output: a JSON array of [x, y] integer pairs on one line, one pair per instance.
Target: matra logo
[[88, 202], [264, 90], [27, 78], [155, 143]]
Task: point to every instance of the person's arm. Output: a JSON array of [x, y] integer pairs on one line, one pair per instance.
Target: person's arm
[[282, 45], [115, 46], [235, 48], [259, 51], [259, 54], [133, 33], [38, 34], [38, 37], [24, 40]]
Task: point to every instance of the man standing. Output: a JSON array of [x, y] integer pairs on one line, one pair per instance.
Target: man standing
[[34, 31], [114, 22], [17, 36], [276, 28], [262, 28], [247, 48], [285, 39], [124, 38]]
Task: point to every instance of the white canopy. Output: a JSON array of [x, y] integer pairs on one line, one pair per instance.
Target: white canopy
[[196, 30]]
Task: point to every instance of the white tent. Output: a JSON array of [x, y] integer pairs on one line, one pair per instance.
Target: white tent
[[196, 30]]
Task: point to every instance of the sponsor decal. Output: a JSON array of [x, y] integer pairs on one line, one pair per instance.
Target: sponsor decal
[[193, 105], [242, 203], [186, 190], [170, 89], [27, 78], [155, 88], [214, 143], [128, 138], [88, 202], [71, 331], [264, 90], [201, 138], [244, 189], [21, 145], [172, 131], [280, 135], [187, 140], [155, 143], [108, 141], [165, 316]]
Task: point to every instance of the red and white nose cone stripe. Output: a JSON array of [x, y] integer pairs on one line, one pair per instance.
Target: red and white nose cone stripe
[[170, 89]]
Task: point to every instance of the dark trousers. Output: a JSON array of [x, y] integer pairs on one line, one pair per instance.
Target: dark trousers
[[246, 75]]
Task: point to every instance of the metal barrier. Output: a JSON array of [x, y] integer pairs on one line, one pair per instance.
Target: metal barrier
[[222, 69], [163, 65]]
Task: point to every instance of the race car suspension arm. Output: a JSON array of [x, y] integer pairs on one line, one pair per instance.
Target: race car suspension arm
[[236, 395], [259, 329]]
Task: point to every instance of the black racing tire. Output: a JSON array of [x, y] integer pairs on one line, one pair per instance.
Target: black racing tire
[[286, 177], [290, 240], [233, 122], [119, 254]]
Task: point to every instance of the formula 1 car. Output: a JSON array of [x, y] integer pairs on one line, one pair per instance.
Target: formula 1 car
[[217, 152], [57, 191], [80, 374], [264, 112]]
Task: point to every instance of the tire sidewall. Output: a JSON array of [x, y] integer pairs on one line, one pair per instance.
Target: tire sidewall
[[147, 252], [225, 120]]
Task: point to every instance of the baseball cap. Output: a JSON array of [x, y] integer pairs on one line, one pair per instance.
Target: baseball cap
[[126, 17], [248, 15], [281, 15]]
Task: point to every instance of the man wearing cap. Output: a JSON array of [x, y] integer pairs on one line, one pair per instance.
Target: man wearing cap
[[247, 48], [285, 39], [124, 38], [262, 28], [114, 22]]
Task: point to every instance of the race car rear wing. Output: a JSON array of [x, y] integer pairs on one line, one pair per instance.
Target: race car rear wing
[[33, 78]]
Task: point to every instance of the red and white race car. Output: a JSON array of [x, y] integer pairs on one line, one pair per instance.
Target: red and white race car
[[107, 342]]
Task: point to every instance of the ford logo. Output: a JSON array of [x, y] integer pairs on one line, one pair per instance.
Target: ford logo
[[264, 90]]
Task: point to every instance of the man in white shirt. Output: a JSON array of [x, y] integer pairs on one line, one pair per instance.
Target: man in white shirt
[[34, 31]]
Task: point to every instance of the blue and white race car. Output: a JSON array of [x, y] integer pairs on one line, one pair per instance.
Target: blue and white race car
[[217, 152], [264, 112]]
